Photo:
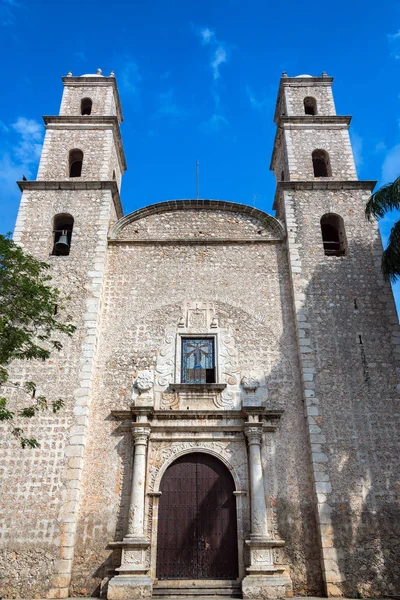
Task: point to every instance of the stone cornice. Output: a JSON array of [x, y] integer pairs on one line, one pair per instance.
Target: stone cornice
[[98, 82], [89, 122], [194, 241], [76, 185], [285, 123], [267, 220], [326, 184], [320, 120]]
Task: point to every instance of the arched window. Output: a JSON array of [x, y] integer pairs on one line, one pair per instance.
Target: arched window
[[333, 235], [86, 106], [283, 176], [62, 231], [310, 106], [113, 175], [75, 163], [321, 164]]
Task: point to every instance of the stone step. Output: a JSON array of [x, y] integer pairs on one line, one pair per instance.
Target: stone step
[[199, 593], [179, 589], [195, 597]]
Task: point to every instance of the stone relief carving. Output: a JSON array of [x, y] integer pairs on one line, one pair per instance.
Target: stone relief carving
[[144, 381], [166, 361], [197, 318], [250, 382], [234, 453], [169, 401], [142, 388], [225, 400]]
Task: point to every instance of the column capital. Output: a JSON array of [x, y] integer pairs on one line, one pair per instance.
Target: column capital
[[253, 432], [141, 434]]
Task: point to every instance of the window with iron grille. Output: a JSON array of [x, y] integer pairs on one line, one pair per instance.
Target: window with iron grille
[[198, 360]]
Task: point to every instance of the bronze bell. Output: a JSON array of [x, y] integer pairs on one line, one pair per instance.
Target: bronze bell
[[62, 246]]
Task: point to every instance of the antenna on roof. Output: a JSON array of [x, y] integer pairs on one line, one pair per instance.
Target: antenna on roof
[[197, 179]]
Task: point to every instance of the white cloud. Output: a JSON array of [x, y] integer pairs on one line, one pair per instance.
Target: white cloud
[[207, 35], [168, 107], [7, 9], [19, 155], [219, 55], [214, 124], [257, 103], [29, 147], [130, 78], [394, 36], [220, 58], [391, 165]]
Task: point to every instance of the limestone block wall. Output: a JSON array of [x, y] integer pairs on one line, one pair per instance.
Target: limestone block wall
[[40, 488], [96, 143], [348, 344], [147, 285], [102, 98], [302, 140], [295, 94]]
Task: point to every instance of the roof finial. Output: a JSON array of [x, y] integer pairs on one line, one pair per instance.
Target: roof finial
[[324, 74], [112, 74], [69, 74], [284, 74], [99, 72]]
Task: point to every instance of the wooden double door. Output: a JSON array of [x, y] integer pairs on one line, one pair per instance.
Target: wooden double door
[[197, 527]]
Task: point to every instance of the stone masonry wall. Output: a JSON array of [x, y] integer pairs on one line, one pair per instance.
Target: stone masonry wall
[[348, 335], [102, 98], [40, 488], [195, 223], [96, 144], [295, 94], [146, 288], [301, 141]]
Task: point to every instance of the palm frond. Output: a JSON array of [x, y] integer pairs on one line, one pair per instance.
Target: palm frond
[[391, 256], [384, 200]]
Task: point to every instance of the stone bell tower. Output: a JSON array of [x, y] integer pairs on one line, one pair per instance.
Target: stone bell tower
[[64, 218], [347, 333]]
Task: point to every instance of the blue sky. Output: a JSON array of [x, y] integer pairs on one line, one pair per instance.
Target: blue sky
[[198, 81]]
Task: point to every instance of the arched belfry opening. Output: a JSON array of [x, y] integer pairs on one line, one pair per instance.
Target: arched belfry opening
[[62, 234], [75, 162], [321, 164], [86, 106], [333, 235], [310, 106], [197, 524]]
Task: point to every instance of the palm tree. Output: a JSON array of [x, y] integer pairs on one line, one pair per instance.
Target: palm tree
[[384, 200]]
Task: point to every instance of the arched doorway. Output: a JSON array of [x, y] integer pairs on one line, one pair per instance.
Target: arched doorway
[[197, 528]]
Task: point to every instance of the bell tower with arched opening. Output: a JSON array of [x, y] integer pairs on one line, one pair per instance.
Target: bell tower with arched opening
[[342, 308], [64, 218]]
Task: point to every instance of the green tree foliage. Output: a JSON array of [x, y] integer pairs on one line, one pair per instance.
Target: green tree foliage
[[384, 200], [29, 330]]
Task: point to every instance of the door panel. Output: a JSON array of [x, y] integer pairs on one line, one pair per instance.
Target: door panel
[[197, 534]]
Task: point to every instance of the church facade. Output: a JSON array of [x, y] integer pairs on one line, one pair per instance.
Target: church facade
[[231, 391]]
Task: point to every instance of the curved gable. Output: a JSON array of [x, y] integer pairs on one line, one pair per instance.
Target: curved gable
[[197, 219]]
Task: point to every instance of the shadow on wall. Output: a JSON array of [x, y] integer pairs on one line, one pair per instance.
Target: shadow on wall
[[356, 388]]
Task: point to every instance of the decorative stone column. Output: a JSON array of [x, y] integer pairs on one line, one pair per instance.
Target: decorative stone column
[[264, 579], [132, 580]]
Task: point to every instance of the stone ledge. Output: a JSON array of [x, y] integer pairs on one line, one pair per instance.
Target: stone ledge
[[193, 241], [69, 184], [197, 387], [315, 120]]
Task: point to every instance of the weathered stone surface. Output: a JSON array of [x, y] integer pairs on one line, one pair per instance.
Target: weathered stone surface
[[315, 331]]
